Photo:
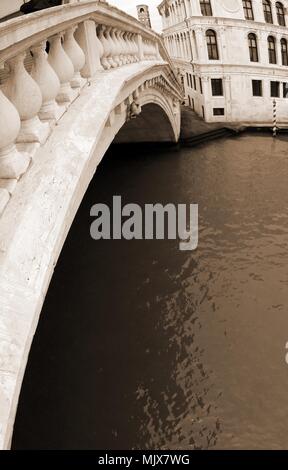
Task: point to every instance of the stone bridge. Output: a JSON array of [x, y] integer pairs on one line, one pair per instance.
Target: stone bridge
[[74, 78]]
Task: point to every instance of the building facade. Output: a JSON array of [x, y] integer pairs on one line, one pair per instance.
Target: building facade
[[232, 56]]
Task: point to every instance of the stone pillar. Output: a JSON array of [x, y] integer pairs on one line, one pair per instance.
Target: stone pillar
[[109, 46], [124, 57], [157, 51], [76, 55], [12, 163], [135, 47], [117, 46], [48, 82], [63, 67], [93, 50], [140, 47], [25, 94], [106, 64], [113, 57]]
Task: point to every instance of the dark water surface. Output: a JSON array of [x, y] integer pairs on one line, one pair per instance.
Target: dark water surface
[[140, 345]]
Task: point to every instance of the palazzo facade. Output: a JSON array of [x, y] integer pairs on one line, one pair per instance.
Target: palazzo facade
[[232, 56]]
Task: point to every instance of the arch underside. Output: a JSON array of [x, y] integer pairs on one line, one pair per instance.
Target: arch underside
[[38, 216], [152, 125]]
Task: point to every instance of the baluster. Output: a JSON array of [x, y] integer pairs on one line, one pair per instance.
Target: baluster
[[152, 50], [140, 50], [25, 94], [86, 37], [76, 55], [131, 48], [48, 82], [135, 48], [104, 61], [12, 163], [123, 48], [157, 52], [149, 50], [120, 47], [110, 42], [143, 49], [126, 47], [62, 65], [99, 44], [127, 40], [117, 49]]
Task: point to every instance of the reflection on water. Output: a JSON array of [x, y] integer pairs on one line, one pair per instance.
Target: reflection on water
[[143, 346]]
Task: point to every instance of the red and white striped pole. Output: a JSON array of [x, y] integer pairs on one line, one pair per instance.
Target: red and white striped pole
[[274, 118]]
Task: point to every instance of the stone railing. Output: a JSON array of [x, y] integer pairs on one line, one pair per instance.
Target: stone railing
[[46, 59]]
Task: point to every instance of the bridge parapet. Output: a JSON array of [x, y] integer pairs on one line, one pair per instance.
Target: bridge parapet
[[46, 60]]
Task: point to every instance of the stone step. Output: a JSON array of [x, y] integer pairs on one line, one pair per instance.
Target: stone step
[[207, 136]]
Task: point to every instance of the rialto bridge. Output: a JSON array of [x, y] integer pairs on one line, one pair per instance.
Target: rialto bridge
[[74, 78]]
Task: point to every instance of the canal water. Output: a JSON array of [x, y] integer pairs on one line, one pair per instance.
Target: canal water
[[142, 346]]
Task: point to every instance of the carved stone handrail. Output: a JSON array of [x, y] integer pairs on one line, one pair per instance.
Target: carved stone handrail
[[17, 35], [48, 56]]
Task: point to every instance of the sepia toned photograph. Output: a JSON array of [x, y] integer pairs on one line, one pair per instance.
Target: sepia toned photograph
[[143, 228]]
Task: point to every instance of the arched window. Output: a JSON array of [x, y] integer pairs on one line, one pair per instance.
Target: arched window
[[253, 49], [212, 47], [280, 14], [284, 51], [267, 11], [271, 50], [248, 9], [206, 9]]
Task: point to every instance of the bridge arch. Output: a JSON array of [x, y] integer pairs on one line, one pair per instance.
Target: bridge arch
[[155, 123], [50, 154]]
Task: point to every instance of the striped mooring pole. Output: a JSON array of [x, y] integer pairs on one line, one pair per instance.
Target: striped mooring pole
[[274, 118]]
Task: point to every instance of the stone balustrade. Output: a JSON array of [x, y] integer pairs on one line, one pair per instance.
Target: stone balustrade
[[46, 59]]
